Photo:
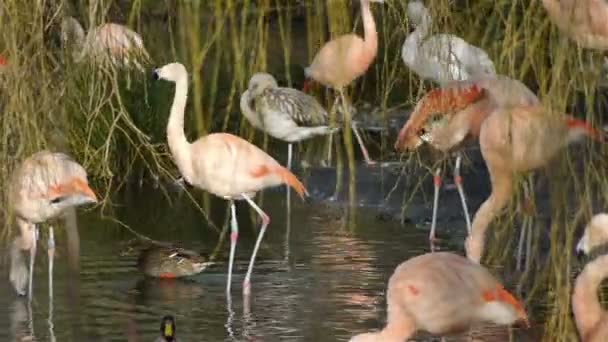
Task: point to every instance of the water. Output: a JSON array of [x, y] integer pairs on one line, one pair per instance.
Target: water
[[327, 286]]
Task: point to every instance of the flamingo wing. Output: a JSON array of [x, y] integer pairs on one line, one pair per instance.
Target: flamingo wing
[[299, 107]]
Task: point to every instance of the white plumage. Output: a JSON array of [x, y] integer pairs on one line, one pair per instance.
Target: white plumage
[[442, 57]]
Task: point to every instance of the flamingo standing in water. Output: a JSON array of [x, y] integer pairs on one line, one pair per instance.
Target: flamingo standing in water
[[284, 113], [518, 140], [464, 105], [42, 188], [344, 59], [591, 319], [443, 293], [111, 42], [441, 57], [222, 164]]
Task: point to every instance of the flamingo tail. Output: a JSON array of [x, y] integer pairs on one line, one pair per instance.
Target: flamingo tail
[[577, 126], [290, 179]]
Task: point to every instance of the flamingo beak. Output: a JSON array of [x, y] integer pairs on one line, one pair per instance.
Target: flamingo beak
[[83, 188]]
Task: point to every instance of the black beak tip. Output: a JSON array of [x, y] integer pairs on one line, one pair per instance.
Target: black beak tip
[[155, 75]]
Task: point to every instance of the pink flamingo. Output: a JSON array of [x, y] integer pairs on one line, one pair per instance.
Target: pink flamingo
[[518, 140], [447, 117], [344, 59], [591, 319], [584, 21], [112, 42], [222, 164], [42, 188], [443, 293]]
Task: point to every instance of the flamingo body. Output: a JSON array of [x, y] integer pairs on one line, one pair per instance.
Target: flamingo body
[[230, 166], [442, 57], [591, 319], [513, 141], [284, 113], [584, 21], [443, 293], [111, 42]]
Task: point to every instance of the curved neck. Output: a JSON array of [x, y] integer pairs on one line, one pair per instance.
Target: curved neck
[[178, 143], [409, 49], [585, 304], [370, 35], [249, 112]]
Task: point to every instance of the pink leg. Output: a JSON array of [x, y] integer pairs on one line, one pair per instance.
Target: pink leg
[[265, 222], [458, 182], [437, 183], [368, 160], [234, 235]]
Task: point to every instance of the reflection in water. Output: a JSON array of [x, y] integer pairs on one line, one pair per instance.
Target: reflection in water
[[331, 287]]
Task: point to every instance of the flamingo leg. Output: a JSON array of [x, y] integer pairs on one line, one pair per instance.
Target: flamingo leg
[[368, 160], [51, 253], [32, 259], [520, 245], [329, 148], [289, 155], [437, 184], [234, 235], [529, 244], [458, 182], [265, 222]]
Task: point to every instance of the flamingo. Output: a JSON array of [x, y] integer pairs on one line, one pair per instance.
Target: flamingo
[[465, 105], [344, 59], [441, 57], [284, 113], [443, 293], [518, 140], [111, 42], [591, 319], [42, 188], [222, 164], [584, 21]]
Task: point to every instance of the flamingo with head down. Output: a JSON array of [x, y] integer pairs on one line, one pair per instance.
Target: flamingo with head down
[[443, 293], [42, 188], [449, 117]]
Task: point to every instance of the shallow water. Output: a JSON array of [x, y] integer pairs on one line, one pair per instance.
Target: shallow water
[[327, 286]]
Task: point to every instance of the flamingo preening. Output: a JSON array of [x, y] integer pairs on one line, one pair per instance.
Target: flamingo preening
[[42, 188], [449, 117], [443, 293], [111, 42], [442, 57], [222, 164], [344, 59], [591, 320], [284, 113]]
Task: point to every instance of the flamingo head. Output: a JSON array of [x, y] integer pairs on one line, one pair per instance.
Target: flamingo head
[[596, 234], [417, 13], [171, 72], [261, 81]]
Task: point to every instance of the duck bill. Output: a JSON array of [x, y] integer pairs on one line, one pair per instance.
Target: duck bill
[[203, 265]]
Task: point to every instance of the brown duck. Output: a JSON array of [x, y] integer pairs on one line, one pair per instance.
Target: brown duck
[[171, 262]]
